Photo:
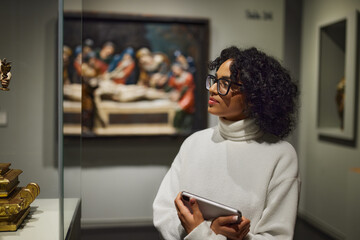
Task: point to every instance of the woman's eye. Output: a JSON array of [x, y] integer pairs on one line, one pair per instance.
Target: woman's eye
[[224, 84]]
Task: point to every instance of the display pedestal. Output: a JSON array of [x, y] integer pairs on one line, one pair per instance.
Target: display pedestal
[[43, 220]]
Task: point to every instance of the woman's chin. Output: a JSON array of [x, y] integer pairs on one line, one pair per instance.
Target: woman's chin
[[212, 111]]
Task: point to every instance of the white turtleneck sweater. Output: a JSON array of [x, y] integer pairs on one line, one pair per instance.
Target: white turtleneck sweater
[[234, 165]]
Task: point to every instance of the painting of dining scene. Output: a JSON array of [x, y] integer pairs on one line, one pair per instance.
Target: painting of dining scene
[[135, 75]]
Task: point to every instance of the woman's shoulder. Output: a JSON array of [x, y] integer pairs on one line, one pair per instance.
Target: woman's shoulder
[[282, 153], [287, 160], [276, 144], [201, 135]]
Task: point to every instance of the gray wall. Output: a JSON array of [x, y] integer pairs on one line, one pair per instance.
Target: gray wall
[[330, 189], [120, 178]]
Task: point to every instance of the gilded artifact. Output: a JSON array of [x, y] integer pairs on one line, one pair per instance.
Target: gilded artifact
[[9, 181], [5, 74], [14, 201], [340, 100]]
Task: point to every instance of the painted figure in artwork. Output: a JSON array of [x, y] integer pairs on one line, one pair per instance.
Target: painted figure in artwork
[[121, 69], [154, 68], [186, 62], [67, 52], [182, 88]]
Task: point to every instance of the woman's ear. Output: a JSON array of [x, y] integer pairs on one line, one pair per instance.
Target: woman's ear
[[246, 109]]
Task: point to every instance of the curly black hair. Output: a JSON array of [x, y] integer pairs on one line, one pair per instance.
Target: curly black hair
[[270, 94]]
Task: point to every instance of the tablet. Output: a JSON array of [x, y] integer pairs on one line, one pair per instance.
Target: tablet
[[209, 208]]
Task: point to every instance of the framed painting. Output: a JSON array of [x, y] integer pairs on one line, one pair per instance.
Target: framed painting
[[139, 75], [338, 80]]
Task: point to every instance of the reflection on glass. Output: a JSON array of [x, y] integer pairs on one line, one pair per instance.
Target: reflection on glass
[[72, 93], [72, 105]]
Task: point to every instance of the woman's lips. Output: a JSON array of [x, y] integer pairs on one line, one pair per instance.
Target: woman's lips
[[212, 101]]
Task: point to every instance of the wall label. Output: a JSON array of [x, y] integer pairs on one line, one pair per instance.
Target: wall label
[[259, 15]]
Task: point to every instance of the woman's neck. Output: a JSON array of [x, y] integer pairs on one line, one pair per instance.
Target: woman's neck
[[242, 130]]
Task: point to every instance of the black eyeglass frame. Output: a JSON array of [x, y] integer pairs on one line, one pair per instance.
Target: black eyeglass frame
[[216, 80]]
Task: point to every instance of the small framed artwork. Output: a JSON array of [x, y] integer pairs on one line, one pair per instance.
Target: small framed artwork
[[338, 80], [139, 75]]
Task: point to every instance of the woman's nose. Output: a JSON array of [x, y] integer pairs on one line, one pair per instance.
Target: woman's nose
[[213, 89]]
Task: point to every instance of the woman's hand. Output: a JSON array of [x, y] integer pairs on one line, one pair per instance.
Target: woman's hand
[[228, 227], [188, 220]]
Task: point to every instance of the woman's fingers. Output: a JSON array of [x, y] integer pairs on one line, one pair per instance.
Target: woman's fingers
[[180, 206], [228, 227], [243, 228], [245, 223], [227, 220], [177, 203], [196, 209], [188, 220]]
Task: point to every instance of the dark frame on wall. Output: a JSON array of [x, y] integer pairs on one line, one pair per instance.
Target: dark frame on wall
[[171, 38], [339, 54]]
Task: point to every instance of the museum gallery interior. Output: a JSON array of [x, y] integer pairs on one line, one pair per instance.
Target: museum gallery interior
[[97, 97]]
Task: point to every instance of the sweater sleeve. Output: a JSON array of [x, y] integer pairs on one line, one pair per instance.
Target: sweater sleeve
[[164, 212], [279, 214], [203, 231], [278, 218]]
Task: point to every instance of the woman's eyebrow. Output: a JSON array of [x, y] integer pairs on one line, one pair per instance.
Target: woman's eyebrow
[[223, 77], [226, 77]]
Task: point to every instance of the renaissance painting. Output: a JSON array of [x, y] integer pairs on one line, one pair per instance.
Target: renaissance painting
[[135, 75]]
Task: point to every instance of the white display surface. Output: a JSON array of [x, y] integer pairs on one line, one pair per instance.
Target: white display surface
[[43, 220]]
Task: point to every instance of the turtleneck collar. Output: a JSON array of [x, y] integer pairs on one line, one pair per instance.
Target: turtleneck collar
[[242, 130]]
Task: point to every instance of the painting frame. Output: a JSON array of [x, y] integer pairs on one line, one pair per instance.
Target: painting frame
[[97, 21], [340, 125]]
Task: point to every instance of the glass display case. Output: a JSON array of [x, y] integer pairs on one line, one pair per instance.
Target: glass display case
[[31, 119]]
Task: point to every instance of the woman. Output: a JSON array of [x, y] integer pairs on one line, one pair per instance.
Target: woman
[[243, 162]]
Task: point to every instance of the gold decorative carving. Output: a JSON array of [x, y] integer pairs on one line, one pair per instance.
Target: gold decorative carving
[[5, 74], [15, 206], [9, 181]]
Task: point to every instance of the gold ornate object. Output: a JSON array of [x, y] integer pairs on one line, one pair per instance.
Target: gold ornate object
[[340, 100], [8, 181], [14, 201], [5, 75]]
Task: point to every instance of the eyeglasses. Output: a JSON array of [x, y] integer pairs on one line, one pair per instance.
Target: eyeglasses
[[223, 84]]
